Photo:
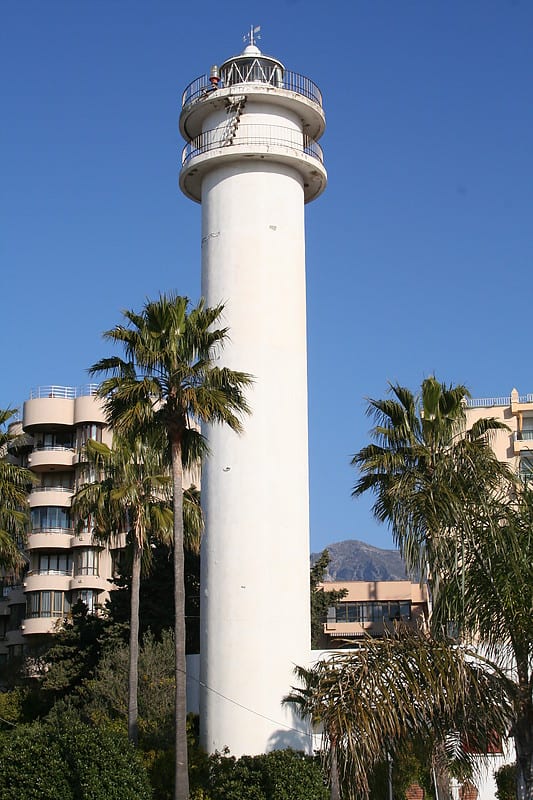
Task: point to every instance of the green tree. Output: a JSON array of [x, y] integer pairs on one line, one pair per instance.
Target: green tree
[[369, 700], [132, 496], [321, 598], [453, 506], [14, 483], [427, 470], [170, 381], [489, 596], [108, 691]]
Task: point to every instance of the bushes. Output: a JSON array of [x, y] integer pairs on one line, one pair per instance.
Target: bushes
[[279, 775], [65, 759], [506, 782]]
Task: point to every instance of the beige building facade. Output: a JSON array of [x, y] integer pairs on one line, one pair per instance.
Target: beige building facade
[[514, 446], [65, 565]]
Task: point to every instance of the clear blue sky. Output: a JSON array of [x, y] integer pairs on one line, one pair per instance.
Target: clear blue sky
[[418, 253]]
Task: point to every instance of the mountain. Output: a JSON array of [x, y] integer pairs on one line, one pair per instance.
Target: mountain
[[358, 561]]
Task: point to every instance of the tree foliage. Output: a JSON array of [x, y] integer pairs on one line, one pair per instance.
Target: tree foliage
[[65, 759], [369, 699], [14, 483], [170, 381], [453, 508], [278, 775], [321, 599]]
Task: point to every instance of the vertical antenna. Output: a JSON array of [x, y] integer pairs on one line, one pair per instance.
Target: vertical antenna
[[253, 35]]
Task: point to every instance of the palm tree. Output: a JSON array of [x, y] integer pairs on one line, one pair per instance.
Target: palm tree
[[133, 495], [169, 380], [422, 467], [368, 701], [14, 483], [491, 603]]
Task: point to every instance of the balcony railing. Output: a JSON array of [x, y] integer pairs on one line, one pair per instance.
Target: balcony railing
[[64, 572], [524, 436], [53, 447], [487, 402], [66, 531], [63, 392], [201, 87], [252, 136], [52, 489]]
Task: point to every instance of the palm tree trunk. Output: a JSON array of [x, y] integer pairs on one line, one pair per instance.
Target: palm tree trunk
[[133, 711], [334, 782], [181, 790], [523, 739]]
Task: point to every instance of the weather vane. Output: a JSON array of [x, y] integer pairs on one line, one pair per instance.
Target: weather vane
[[253, 35]]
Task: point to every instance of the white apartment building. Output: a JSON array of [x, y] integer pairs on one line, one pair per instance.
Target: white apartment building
[[65, 565]]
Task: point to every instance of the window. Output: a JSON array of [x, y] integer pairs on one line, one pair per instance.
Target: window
[[47, 604], [16, 615], [54, 440], [56, 480], [526, 468], [87, 562], [373, 611], [89, 597], [91, 430], [54, 564], [50, 518]]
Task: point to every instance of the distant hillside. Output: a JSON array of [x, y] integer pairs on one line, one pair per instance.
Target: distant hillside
[[358, 561]]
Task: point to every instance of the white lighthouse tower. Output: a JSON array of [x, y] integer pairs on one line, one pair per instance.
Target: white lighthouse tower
[[252, 161]]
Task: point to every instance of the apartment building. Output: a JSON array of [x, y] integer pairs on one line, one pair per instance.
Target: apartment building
[[64, 564], [515, 446]]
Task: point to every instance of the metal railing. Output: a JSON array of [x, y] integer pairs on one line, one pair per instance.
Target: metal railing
[[52, 489], [63, 392], [63, 572], [60, 447], [252, 136], [201, 87], [53, 529], [487, 402], [524, 436]]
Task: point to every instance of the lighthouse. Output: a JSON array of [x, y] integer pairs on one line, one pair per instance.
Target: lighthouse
[[252, 160]]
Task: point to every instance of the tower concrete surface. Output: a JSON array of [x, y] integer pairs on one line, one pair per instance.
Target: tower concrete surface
[[252, 161]]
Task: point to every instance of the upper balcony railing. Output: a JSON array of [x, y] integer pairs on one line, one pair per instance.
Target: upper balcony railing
[[202, 87], [63, 392], [487, 402], [252, 136]]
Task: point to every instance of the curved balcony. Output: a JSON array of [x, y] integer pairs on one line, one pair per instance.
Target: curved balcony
[[84, 539], [39, 625], [255, 137], [50, 539], [277, 78], [89, 408], [261, 81], [37, 581], [50, 496], [258, 142], [79, 582], [46, 457]]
